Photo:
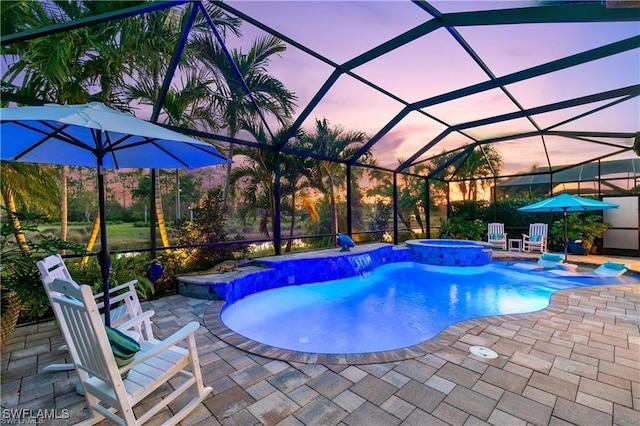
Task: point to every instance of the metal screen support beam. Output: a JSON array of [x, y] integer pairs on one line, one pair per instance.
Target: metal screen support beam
[[495, 199], [599, 179], [88, 21], [235, 69], [395, 208], [427, 208], [157, 106], [349, 196], [153, 220], [277, 210], [448, 200]]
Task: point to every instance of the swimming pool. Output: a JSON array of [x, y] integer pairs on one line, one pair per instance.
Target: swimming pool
[[395, 306]]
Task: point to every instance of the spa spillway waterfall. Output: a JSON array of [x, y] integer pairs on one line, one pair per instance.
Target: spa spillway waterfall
[[450, 252]]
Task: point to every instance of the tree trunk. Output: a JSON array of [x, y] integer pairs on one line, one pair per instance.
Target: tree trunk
[[227, 184], [92, 238], [406, 220], [17, 230], [463, 190], [64, 207], [293, 223], [162, 227], [334, 209], [416, 212]]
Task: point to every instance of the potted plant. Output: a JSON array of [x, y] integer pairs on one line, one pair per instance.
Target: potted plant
[[582, 230], [593, 229]]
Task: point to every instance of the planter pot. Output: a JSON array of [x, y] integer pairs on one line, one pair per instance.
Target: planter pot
[[10, 312], [578, 247]]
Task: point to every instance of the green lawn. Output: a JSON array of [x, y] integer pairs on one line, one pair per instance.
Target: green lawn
[[120, 236]]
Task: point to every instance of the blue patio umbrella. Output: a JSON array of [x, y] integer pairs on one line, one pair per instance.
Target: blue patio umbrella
[[565, 203], [93, 135]]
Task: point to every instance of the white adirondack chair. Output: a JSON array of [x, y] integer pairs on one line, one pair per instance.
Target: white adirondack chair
[[124, 297], [106, 392], [496, 236], [536, 239]]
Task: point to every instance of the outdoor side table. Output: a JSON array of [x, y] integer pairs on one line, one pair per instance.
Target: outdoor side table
[[515, 244]]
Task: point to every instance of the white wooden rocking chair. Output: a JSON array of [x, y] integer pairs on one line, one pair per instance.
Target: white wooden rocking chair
[[124, 297], [496, 236], [107, 393], [536, 239]]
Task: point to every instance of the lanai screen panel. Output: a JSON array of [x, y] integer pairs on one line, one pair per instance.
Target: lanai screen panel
[[353, 106], [411, 134], [431, 65], [510, 48], [619, 117], [473, 107], [352, 37], [337, 30], [521, 155]]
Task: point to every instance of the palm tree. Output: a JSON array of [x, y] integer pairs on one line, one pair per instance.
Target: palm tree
[[481, 163], [257, 175], [188, 106], [151, 38], [296, 178], [34, 183], [234, 105], [64, 67], [328, 176], [411, 197]]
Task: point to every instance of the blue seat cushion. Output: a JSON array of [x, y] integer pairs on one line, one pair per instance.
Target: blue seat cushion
[[552, 257], [615, 266], [535, 238]]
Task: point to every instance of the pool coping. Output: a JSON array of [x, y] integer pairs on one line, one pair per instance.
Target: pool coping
[[558, 303]]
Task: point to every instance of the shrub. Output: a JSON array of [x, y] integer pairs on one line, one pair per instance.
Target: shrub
[[382, 213], [207, 227], [18, 270], [462, 228], [124, 268]]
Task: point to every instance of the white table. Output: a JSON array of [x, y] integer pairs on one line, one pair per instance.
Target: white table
[[515, 244]]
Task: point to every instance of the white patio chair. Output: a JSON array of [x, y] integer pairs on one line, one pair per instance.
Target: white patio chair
[[157, 362], [496, 236], [124, 297], [536, 239]]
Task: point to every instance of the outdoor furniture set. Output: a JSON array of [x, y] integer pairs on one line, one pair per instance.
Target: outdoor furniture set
[[535, 240]]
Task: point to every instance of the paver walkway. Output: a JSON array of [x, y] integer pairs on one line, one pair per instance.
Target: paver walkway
[[577, 362]]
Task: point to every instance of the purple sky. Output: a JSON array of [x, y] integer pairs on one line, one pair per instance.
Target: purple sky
[[435, 64]]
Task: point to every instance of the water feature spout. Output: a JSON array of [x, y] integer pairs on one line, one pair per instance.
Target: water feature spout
[[362, 265]]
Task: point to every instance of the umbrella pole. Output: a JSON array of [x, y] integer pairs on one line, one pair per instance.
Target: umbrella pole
[[566, 238], [104, 258]]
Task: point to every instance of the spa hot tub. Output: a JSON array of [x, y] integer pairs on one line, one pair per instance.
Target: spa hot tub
[[451, 252]]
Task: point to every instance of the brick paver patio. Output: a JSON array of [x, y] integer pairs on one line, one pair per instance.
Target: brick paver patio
[[576, 362]]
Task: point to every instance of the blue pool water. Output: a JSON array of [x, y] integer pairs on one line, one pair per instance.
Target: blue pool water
[[395, 306]]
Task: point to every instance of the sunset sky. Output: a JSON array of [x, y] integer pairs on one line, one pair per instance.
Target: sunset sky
[[436, 64]]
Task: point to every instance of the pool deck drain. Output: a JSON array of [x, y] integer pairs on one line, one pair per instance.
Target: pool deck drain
[[483, 352]]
